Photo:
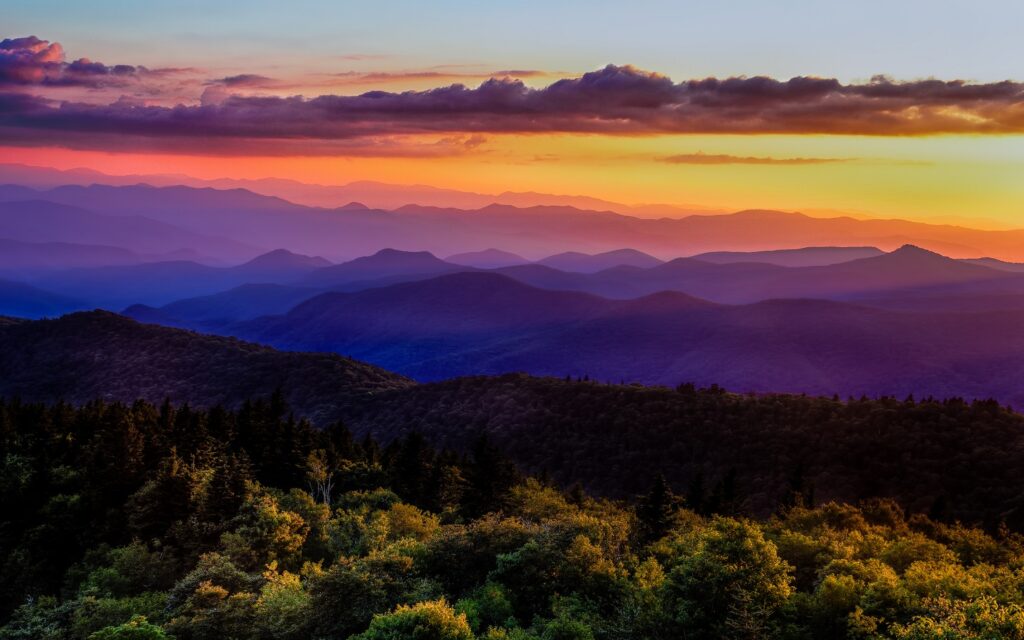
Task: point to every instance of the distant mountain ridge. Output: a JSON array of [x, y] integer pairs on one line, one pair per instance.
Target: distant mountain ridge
[[486, 323], [23, 300], [41, 221], [803, 257], [487, 259], [386, 263], [578, 262], [85, 356], [919, 278], [259, 223], [159, 283], [377, 195]]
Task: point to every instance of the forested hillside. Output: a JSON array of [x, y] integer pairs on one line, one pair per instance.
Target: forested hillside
[[951, 456], [144, 522], [83, 356]]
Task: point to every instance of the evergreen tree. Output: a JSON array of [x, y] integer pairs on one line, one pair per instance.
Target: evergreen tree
[[655, 511]]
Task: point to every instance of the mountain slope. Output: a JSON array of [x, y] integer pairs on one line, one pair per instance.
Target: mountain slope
[[483, 323], [18, 257], [614, 439], [1016, 267], [414, 321], [215, 311], [280, 263], [487, 259], [25, 301], [160, 283], [91, 355], [386, 263], [43, 221], [904, 269], [575, 261], [804, 257]]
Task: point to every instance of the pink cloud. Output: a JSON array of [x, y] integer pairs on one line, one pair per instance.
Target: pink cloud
[[615, 100]]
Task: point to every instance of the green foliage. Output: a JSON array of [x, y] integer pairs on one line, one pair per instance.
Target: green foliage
[[135, 629], [422, 621], [213, 530], [487, 607], [980, 619], [725, 580], [94, 614]]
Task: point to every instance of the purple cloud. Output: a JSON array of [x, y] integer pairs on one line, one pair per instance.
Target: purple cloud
[[30, 61], [245, 80], [615, 100]]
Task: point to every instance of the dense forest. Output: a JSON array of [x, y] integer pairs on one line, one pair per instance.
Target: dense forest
[[150, 521], [953, 458]]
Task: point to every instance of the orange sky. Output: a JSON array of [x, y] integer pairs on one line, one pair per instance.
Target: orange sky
[[949, 178], [930, 148]]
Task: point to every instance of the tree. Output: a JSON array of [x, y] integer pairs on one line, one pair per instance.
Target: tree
[[490, 476], [410, 469], [265, 532], [344, 599], [432, 620], [320, 476], [727, 581], [980, 619], [135, 629], [163, 501], [656, 511]]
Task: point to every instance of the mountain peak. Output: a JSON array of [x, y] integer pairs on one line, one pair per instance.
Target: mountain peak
[[386, 263], [913, 249], [487, 259], [592, 263], [398, 253], [283, 258], [913, 254], [355, 206]]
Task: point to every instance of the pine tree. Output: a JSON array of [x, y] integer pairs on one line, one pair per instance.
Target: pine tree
[[490, 476], [656, 511]]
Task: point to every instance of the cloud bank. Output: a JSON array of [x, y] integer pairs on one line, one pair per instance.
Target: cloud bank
[[30, 61], [615, 100]]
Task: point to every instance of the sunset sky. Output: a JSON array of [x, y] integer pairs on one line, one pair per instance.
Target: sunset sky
[[904, 109]]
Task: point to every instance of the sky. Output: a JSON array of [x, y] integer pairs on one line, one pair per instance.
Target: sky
[[896, 109]]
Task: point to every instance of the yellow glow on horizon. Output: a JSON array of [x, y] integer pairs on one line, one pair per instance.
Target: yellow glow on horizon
[[939, 177]]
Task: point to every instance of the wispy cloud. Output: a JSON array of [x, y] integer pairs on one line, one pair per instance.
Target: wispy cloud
[[392, 77], [724, 159], [245, 80]]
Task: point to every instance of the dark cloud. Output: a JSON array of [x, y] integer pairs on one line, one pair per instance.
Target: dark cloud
[[716, 159], [245, 80], [31, 61], [615, 100]]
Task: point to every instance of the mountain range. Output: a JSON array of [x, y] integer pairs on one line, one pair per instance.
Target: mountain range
[[235, 225], [857, 318], [907, 279], [377, 195], [486, 323], [803, 257], [115, 287], [611, 438]]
